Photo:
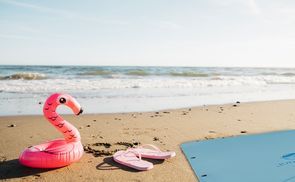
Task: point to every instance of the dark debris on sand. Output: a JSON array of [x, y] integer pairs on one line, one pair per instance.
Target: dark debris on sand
[[156, 139], [128, 144], [235, 105], [106, 145]]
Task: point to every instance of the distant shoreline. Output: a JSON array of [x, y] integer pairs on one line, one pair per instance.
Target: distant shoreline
[[68, 112]]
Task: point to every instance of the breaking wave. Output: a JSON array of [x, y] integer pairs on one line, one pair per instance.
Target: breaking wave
[[24, 76], [138, 73], [189, 74], [96, 72]]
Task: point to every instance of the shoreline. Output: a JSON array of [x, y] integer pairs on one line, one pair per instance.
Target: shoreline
[[166, 129], [68, 113]]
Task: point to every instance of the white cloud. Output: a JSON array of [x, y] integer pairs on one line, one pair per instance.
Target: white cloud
[[12, 36], [42, 37], [170, 25], [63, 13], [254, 7], [250, 5], [39, 8]]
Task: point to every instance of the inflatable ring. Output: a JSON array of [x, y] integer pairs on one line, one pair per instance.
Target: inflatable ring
[[59, 152]]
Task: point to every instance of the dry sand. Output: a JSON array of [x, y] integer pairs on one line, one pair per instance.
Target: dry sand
[[165, 129]]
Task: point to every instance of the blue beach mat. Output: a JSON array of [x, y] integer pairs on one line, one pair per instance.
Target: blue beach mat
[[268, 157]]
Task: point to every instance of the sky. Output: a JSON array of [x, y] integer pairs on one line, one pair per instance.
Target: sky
[[252, 33]]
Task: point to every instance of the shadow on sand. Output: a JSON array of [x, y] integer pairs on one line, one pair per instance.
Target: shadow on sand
[[13, 169], [109, 164]]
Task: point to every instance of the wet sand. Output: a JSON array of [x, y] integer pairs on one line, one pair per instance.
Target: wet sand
[[103, 134]]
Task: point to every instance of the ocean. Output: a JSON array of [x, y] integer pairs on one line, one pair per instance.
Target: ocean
[[109, 89]]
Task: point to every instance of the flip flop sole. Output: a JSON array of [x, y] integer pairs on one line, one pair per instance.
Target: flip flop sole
[[132, 161]]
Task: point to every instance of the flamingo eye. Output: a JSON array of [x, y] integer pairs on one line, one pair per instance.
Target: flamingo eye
[[62, 100]]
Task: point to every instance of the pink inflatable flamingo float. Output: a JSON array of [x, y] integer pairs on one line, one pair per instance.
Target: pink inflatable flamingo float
[[59, 152]]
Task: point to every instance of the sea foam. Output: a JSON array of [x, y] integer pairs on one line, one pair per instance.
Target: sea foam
[[50, 85]]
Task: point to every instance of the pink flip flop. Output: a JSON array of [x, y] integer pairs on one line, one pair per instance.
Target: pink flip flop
[[129, 158], [152, 152]]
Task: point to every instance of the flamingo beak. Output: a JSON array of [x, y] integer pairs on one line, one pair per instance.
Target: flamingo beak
[[80, 112], [74, 105]]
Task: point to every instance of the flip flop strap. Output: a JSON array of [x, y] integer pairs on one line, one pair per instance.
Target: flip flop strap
[[136, 153], [151, 146]]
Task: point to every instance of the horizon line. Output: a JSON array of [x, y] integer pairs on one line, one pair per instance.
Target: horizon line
[[185, 66]]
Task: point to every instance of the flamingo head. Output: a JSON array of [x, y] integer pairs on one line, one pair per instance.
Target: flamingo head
[[64, 99]]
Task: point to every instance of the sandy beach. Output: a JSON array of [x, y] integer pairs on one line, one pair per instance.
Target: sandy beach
[[102, 134]]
